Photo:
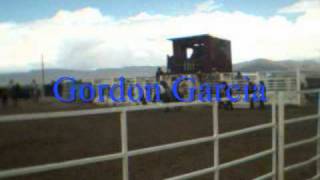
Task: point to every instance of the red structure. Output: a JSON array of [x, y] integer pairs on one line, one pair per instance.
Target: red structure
[[202, 53]]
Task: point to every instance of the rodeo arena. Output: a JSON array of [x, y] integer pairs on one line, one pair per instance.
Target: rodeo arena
[[277, 139]]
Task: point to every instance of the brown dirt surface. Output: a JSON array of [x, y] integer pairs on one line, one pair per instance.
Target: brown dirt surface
[[55, 140]]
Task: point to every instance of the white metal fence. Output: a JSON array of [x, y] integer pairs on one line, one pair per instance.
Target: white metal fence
[[274, 81], [282, 146], [277, 151]]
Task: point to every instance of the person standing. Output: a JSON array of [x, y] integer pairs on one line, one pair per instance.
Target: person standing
[[159, 73], [228, 104], [4, 97], [262, 91], [14, 92], [251, 94], [239, 76]]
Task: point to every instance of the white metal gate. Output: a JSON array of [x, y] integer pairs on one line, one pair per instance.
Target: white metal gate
[[282, 146], [277, 151]]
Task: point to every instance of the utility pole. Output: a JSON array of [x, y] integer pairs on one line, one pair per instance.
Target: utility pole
[[42, 77]]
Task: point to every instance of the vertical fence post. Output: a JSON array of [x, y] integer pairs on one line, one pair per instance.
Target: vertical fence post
[[221, 77], [215, 124], [257, 78], [298, 83], [318, 133], [124, 145], [274, 136], [281, 136]]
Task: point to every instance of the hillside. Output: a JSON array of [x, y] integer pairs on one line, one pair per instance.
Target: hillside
[[134, 71], [269, 65]]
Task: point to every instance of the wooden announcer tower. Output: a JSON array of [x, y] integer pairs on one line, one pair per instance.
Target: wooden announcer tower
[[202, 53]]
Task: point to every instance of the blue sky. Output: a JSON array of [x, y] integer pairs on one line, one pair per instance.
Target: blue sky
[[90, 34], [28, 10]]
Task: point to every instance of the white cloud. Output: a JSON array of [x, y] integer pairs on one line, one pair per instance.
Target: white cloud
[[207, 6], [301, 6], [87, 39]]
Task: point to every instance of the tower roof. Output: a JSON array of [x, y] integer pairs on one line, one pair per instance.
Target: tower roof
[[193, 37]]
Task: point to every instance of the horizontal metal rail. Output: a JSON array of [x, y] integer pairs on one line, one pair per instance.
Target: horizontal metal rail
[[223, 166], [85, 161], [316, 177], [245, 131], [301, 119], [246, 159], [266, 176], [306, 91], [60, 165], [300, 164], [302, 142], [171, 146]]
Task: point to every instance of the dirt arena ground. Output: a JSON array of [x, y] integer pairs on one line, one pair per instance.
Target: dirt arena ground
[[54, 140]]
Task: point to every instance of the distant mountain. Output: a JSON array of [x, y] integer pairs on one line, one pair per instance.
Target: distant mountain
[[53, 74], [148, 71], [269, 65], [258, 65]]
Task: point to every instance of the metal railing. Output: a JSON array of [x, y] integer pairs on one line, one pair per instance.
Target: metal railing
[[277, 151], [218, 167], [282, 146], [126, 153]]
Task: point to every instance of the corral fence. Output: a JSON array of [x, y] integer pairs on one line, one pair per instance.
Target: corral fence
[[277, 150], [289, 81], [284, 122]]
